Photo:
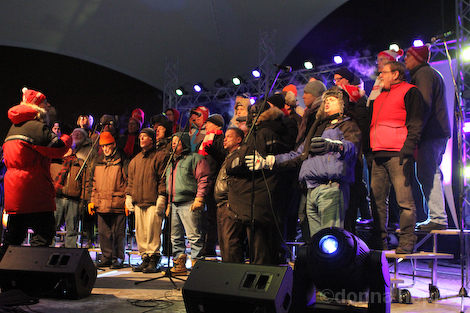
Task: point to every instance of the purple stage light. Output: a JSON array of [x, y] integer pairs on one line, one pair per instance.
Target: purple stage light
[[338, 59], [197, 88], [256, 73], [418, 43], [466, 127], [252, 100]]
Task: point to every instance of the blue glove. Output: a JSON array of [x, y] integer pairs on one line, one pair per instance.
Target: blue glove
[[320, 145]]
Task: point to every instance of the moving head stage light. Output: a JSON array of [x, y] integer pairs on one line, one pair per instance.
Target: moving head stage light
[[341, 267]]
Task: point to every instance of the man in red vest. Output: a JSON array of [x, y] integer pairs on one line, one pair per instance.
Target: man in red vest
[[395, 130]]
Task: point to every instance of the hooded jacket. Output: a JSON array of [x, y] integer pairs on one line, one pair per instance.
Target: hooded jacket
[[28, 150], [188, 175]]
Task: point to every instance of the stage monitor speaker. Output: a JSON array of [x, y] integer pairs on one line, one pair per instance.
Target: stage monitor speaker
[[228, 287], [48, 272]]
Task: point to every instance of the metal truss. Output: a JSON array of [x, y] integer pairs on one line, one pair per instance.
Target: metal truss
[[170, 84], [223, 97]]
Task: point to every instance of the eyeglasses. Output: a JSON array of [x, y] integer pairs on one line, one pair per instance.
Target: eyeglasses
[[383, 72], [198, 114], [338, 78]]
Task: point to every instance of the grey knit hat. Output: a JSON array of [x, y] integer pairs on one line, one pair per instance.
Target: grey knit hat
[[216, 119], [315, 88]]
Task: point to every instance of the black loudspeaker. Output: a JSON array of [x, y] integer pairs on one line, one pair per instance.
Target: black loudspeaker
[[48, 272], [228, 287]]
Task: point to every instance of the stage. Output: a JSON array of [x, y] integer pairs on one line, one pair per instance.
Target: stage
[[115, 291]]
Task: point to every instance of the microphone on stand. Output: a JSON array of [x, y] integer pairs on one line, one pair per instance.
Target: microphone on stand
[[285, 68], [439, 37]]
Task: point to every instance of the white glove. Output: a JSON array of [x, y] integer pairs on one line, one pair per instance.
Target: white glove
[[161, 205], [257, 162], [129, 205]]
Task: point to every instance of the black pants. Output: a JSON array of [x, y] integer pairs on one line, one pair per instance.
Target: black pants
[[235, 231], [43, 225], [111, 235]]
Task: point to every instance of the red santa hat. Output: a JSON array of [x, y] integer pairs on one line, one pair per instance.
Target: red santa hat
[[391, 55], [31, 96]]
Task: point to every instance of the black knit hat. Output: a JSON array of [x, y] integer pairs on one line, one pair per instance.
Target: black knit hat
[[216, 119], [346, 73], [149, 132], [160, 119], [277, 100]]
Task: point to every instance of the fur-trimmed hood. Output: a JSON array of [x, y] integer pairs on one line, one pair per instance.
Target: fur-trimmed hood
[[270, 114]]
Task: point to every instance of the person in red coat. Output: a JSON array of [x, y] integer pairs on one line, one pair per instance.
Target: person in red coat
[[29, 192]]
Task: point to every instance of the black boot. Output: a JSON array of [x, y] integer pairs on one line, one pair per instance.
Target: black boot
[[144, 264], [153, 265]]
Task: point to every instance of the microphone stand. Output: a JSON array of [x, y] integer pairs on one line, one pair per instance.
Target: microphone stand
[[167, 272], [252, 132], [79, 174]]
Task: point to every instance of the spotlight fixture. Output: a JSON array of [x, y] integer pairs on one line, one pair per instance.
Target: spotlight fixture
[[466, 172], [180, 91], [466, 127], [418, 43], [338, 59], [341, 266], [197, 87], [308, 65], [394, 47], [252, 100], [236, 80], [466, 54], [256, 73]]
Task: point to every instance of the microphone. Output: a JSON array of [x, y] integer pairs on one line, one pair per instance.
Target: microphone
[[285, 68], [441, 36]]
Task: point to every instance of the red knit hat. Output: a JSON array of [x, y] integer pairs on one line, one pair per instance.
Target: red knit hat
[[421, 54], [290, 88], [201, 110], [31, 96], [106, 138], [138, 115], [391, 55]]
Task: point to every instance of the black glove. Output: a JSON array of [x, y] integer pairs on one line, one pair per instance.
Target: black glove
[[405, 153], [319, 145], [211, 150]]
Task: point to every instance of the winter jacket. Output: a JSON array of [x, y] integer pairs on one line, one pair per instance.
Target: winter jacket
[[109, 183], [63, 173], [221, 184], [145, 177], [188, 178], [28, 150], [397, 119], [273, 136], [332, 166], [431, 85]]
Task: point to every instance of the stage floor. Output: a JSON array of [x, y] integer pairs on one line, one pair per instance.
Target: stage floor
[[115, 291]]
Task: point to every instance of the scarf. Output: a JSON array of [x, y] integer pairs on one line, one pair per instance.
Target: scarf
[[208, 140]]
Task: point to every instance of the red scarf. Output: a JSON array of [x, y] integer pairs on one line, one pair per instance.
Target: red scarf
[[129, 147], [208, 140]]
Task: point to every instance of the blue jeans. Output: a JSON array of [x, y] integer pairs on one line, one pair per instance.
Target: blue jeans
[[326, 206], [386, 172], [184, 221], [67, 211], [429, 175]]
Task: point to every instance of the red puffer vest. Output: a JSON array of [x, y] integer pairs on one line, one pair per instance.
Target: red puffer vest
[[387, 129]]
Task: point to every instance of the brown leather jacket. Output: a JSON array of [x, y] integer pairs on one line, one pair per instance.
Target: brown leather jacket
[[109, 184]]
